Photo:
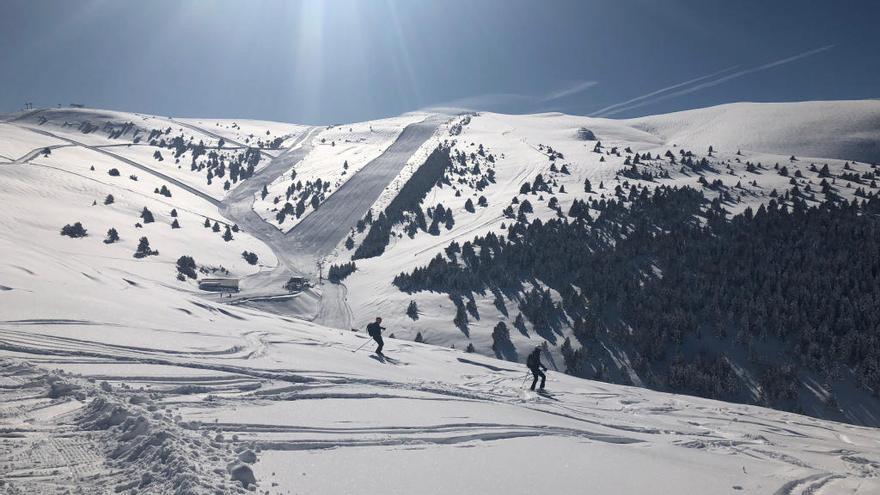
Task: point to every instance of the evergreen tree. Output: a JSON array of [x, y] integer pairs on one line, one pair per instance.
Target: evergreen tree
[[251, 258], [147, 215], [186, 266], [112, 236], [143, 249], [74, 231], [412, 310]]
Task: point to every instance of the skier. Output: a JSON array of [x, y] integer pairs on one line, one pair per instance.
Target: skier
[[533, 362], [375, 331]]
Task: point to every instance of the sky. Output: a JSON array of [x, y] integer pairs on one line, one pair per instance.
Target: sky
[[322, 62]]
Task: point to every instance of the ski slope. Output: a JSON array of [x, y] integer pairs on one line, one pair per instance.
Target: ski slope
[[519, 145], [115, 376], [338, 153]]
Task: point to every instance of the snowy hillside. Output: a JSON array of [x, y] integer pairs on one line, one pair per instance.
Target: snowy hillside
[[847, 130], [117, 374], [515, 150]]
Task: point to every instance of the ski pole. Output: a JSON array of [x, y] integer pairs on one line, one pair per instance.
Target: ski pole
[[362, 345]]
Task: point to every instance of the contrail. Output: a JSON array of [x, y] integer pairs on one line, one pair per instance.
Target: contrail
[[599, 112], [720, 80], [574, 89]]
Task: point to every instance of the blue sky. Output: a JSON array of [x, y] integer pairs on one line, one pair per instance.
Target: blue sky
[[341, 60]]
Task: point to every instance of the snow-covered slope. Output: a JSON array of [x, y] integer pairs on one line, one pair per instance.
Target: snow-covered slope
[[847, 130], [522, 147], [117, 376], [339, 152]]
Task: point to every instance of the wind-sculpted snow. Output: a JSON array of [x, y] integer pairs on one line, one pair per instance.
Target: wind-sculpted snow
[[158, 421]]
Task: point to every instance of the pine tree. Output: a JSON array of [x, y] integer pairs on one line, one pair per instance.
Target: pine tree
[[227, 236], [175, 224], [112, 236], [251, 258], [74, 231], [174, 213], [500, 336], [109, 199], [147, 215], [186, 266], [469, 205], [412, 310], [207, 223], [419, 337], [143, 249], [216, 227]]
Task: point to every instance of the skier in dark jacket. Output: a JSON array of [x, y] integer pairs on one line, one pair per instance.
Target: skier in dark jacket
[[375, 331], [533, 362]]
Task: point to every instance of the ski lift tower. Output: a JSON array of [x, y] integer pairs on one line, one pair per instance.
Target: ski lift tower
[[320, 265]]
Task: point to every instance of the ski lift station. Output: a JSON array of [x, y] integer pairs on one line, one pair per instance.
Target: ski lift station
[[219, 284]]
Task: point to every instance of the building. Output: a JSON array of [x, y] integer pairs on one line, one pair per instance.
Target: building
[[297, 284], [219, 284]]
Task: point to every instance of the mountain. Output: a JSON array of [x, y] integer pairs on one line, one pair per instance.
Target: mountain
[[846, 130], [120, 374]]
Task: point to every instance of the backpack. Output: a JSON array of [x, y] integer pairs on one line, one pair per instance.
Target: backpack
[[373, 329], [533, 360]]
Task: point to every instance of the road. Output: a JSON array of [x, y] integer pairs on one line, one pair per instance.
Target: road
[[321, 231], [238, 207], [133, 163], [202, 130]]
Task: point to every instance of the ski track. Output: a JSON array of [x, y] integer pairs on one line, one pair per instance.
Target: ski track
[[240, 385]]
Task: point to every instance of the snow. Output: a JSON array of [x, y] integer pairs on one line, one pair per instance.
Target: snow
[[244, 130], [116, 376], [338, 153], [17, 142], [514, 140], [847, 130]]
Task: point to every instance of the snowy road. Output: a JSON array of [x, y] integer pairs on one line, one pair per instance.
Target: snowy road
[[321, 231], [133, 163]]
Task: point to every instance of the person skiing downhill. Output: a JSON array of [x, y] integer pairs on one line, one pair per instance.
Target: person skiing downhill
[[375, 330], [533, 362]]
